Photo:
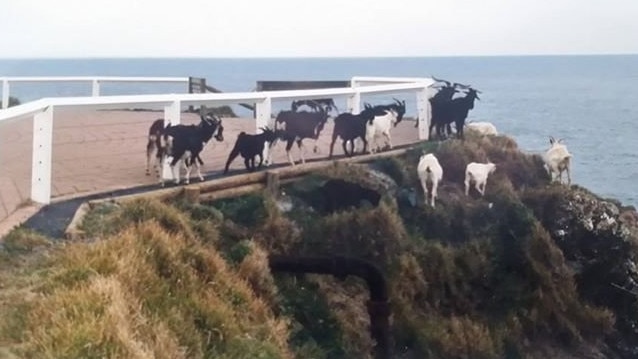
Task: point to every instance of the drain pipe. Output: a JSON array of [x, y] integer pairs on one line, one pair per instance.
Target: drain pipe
[[341, 267]]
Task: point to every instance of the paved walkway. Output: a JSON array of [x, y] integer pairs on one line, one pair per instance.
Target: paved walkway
[[98, 151]]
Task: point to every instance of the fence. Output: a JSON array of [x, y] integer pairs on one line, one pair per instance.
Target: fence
[[95, 82], [43, 110]]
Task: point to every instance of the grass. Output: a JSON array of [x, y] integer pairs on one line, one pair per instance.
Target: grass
[[148, 291], [476, 277]]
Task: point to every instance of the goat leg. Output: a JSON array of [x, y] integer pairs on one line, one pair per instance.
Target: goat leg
[[433, 195], [301, 151], [199, 172], [425, 190], [150, 149], [388, 140], [292, 163], [332, 145], [175, 173], [479, 188]]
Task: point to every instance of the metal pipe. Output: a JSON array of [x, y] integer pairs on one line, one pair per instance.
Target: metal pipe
[[340, 267]]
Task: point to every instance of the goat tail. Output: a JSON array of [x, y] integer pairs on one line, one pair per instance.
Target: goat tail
[[427, 169], [233, 154]]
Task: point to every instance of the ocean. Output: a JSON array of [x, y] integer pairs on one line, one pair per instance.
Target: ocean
[[588, 100]]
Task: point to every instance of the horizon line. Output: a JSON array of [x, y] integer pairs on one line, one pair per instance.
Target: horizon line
[[124, 57]]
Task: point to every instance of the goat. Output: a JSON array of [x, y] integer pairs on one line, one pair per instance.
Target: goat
[[320, 104], [440, 99], [445, 109], [429, 170], [380, 124], [300, 125], [557, 160], [482, 128], [478, 173], [398, 107], [184, 143], [457, 110], [250, 146], [154, 146], [350, 127]]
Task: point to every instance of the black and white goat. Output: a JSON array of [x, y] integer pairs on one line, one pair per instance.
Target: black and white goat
[[350, 127], [382, 122], [249, 146], [183, 143], [398, 107], [298, 126]]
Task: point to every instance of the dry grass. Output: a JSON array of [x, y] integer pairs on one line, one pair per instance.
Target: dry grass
[[148, 291]]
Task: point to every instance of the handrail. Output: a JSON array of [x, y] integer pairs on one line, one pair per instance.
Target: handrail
[[91, 78], [94, 80], [43, 111], [226, 98]]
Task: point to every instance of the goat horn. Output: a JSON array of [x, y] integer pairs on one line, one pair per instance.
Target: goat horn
[[439, 80], [456, 84]]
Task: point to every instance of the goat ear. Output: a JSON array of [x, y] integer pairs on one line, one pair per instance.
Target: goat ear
[[560, 140], [551, 140]]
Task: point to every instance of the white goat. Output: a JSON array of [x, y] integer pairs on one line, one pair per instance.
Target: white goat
[[482, 128], [557, 160], [478, 173], [429, 170], [380, 125]]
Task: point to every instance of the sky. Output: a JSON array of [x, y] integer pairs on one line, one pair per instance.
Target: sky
[[320, 28]]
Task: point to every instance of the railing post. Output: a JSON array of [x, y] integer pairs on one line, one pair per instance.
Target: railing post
[[5, 93], [96, 88], [424, 114], [353, 102], [172, 115], [41, 162], [263, 111]]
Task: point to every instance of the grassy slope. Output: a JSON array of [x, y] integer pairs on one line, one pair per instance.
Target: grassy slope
[[467, 280]]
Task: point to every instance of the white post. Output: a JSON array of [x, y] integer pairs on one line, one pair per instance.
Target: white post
[[423, 112], [172, 115], [41, 162], [353, 102], [5, 93], [96, 88], [263, 111]]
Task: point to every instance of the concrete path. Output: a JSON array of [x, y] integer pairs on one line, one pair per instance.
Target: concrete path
[[101, 151]]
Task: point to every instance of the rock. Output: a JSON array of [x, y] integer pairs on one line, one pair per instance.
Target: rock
[[600, 244]]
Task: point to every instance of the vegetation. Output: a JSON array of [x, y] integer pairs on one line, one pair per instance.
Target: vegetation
[[477, 277]]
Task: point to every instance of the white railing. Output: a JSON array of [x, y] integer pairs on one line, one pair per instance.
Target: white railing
[[94, 80], [43, 110]]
